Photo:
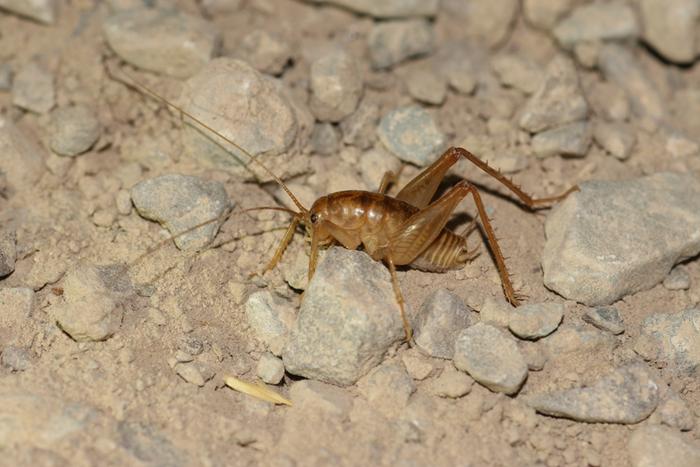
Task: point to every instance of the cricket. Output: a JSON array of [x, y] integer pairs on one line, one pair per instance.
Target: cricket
[[408, 229]]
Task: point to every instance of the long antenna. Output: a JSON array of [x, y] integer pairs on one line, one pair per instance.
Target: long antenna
[[136, 83]]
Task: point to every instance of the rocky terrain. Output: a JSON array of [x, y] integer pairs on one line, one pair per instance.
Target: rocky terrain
[[131, 285]]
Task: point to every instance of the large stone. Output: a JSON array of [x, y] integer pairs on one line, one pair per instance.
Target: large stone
[[348, 320], [628, 395], [672, 338], [671, 27], [612, 239]]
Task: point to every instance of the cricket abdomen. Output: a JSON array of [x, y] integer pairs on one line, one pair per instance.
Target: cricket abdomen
[[448, 251]]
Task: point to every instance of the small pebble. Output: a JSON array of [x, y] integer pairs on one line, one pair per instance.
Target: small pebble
[[15, 358], [575, 339], [265, 51], [518, 72], [392, 42], [441, 318], [8, 252], [616, 138], [461, 79], [104, 217], [74, 130], [41, 10], [270, 319], [536, 320], [5, 77], [545, 14], [451, 383], [572, 139], [672, 338], [33, 88], [190, 373], [606, 318], [425, 85], [270, 369], [418, 366], [360, 128], [679, 145], [677, 279], [122, 201], [412, 135], [534, 354], [388, 388], [670, 27], [324, 139], [336, 86], [674, 412], [496, 312]]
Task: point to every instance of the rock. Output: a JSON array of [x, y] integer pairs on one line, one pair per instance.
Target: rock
[[74, 130], [324, 139], [606, 318], [609, 101], [652, 445], [340, 335], [122, 201], [162, 40], [545, 14], [673, 339], [558, 100], [534, 354], [242, 105], [15, 358], [616, 138], [388, 8], [425, 85], [270, 369], [675, 413], [412, 135], [451, 383], [8, 252], [488, 22], [311, 395], [576, 339], [270, 318], [508, 162], [392, 42], [598, 239], [622, 68], [181, 203], [536, 320], [628, 395], [6, 75], [417, 365], [92, 306], [461, 78], [441, 318], [33, 88], [670, 28], [491, 357], [496, 312], [190, 373], [387, 388], [518, 72], [264, 51], [41, 10], [572, 139], [677, 279], [360, 128], [597, 22], [679, 145], [336, 86]]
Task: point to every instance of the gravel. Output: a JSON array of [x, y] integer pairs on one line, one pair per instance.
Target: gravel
[[536, 320], [670, 28], [628, 395], [651, 445], [572, 139], [392, 42], [388, 8], [491, 357], [336, 86], [673, 339], [598, 22], [33, 88], [341, 335], [270, 318], [598, 239], [162, 40], [270, 369], [606, 318], [180, 203], [74, 130], [411, 134], [441, 318]]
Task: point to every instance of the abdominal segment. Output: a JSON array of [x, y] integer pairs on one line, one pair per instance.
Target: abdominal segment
[[448, 251]]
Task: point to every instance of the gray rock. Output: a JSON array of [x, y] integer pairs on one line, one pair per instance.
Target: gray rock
[[597, 22], [518, 72], [15, 358], [536, 320], [672, 338], [599, 239], [653, 445], [670, 27], [264, 51], [181, 203], [388, 8], [33, 88], [388, 388], [576, 339], [40, 10], [74, 130], [677, 279], [441, 318], [324, 139], [8, 252], [496, 312], [270, 369], [675, 413], [425, 85], [491, 357], [162, 40], [412, 135], [616, 138], [545, 14], [627, 396], [242, 105], [360, 128], [572, 139], [392, 42], [270, 318], [340, 335], [558, 99], [622, 68], [336, 86], [606, 318], [451, 383], [315, 395], [93, 302]]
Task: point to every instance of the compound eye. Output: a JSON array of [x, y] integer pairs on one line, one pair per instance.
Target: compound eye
[[314, 218]]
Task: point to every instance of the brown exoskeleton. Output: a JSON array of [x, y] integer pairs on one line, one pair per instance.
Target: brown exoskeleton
[[403, 230]]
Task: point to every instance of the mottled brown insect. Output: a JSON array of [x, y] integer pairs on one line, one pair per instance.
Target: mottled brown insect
[[403, 230]]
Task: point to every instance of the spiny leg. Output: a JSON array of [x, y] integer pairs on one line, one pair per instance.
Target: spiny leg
[[283, 244], [399, 298]]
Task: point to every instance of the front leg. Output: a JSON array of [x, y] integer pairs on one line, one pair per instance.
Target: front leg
[[324, 231]]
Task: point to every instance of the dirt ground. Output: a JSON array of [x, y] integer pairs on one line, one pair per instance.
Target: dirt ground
[[119, 402]]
